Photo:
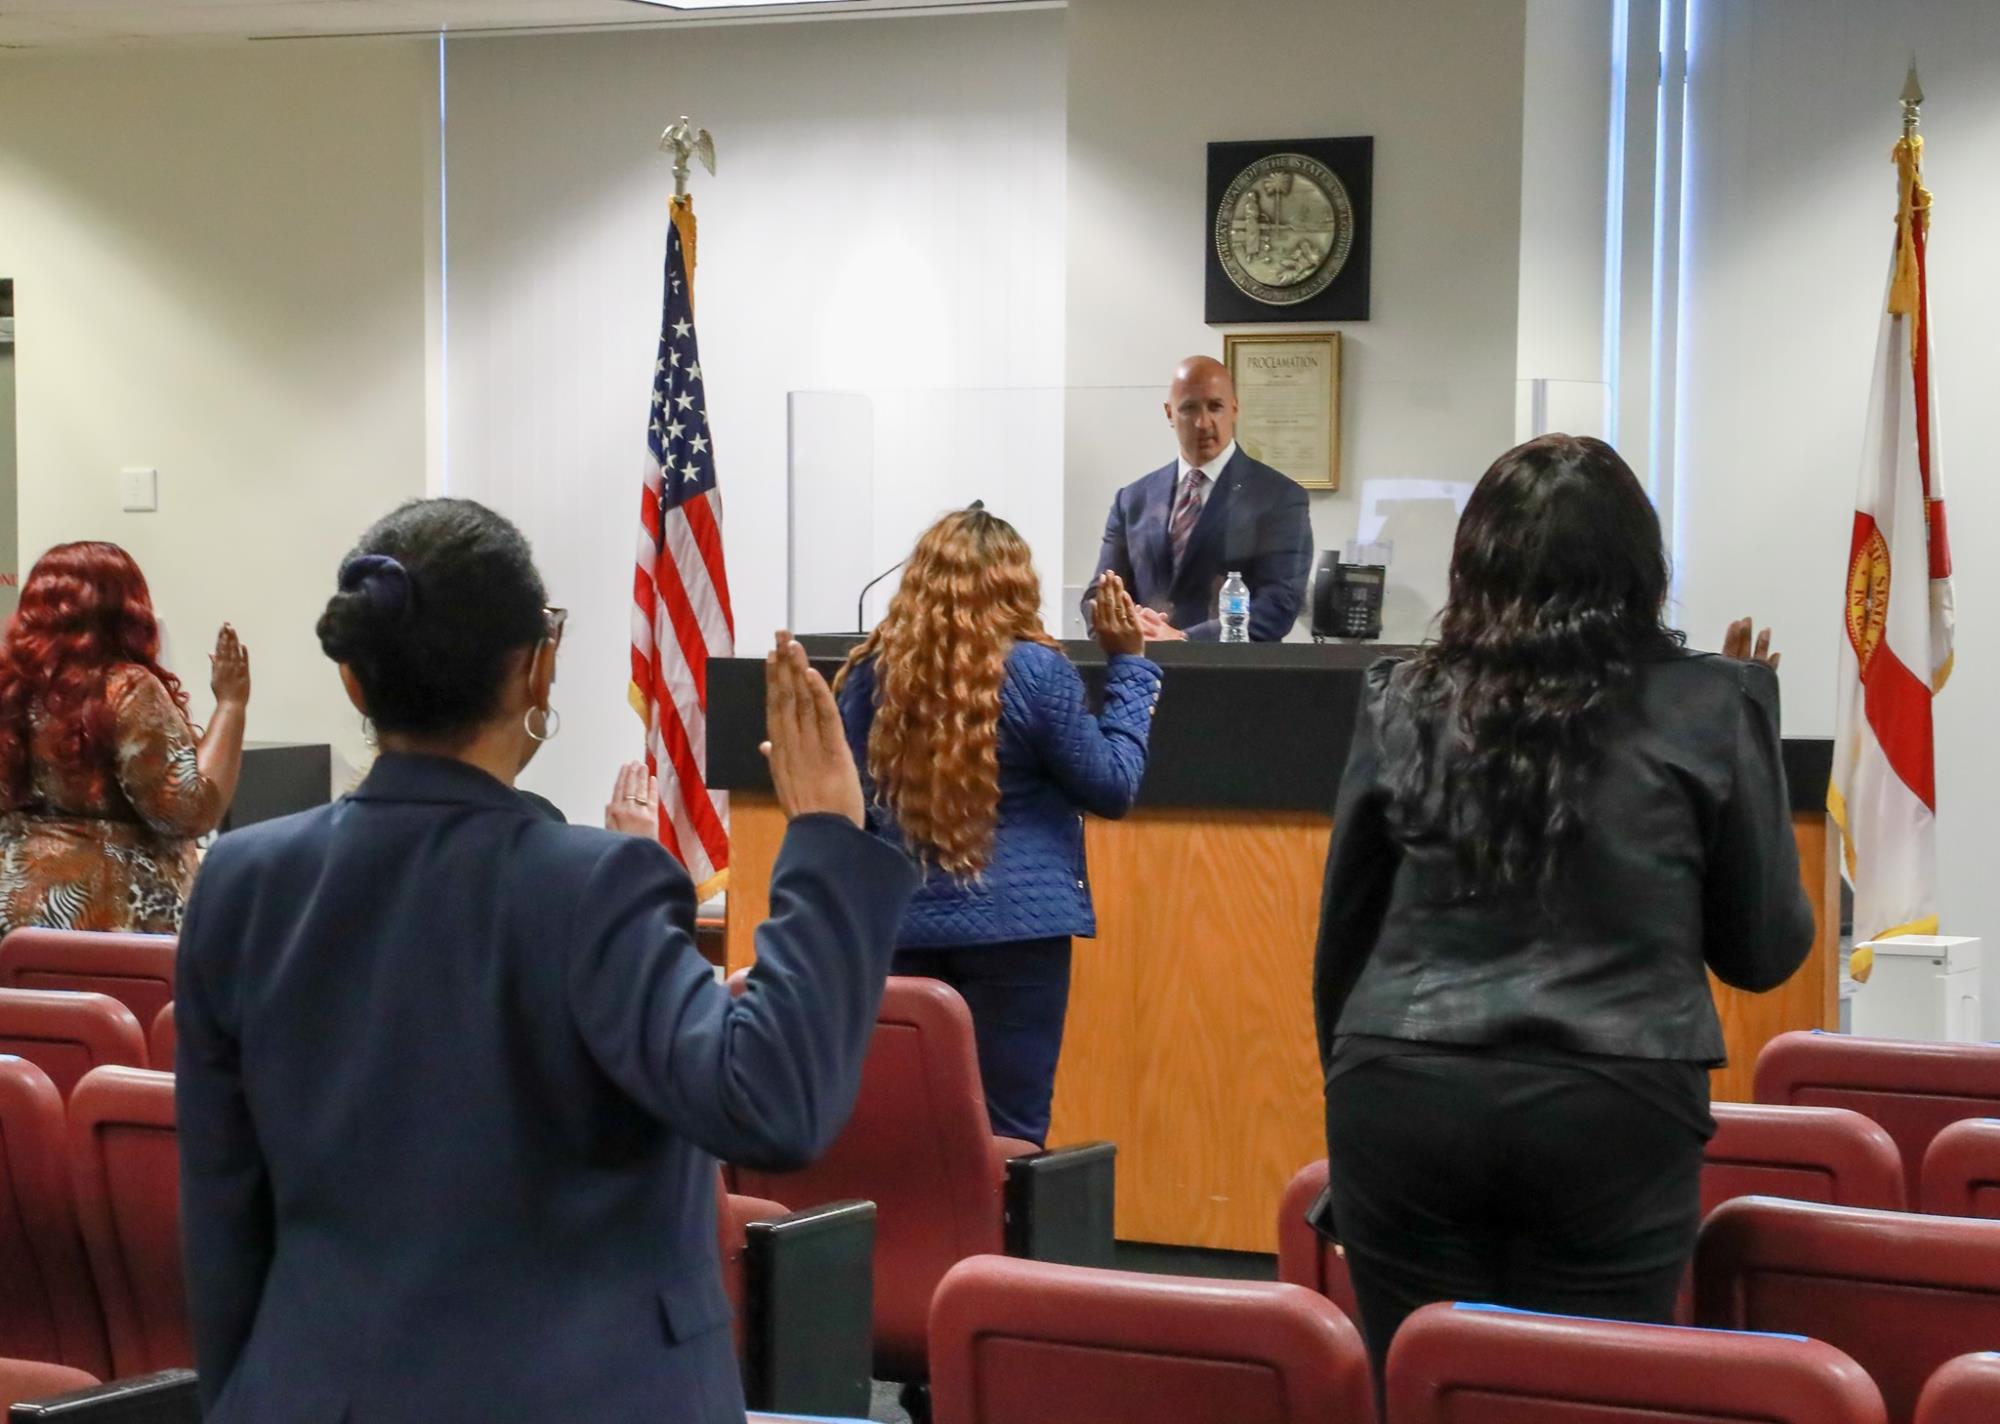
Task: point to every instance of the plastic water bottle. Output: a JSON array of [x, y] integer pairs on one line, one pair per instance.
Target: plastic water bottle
[[1235, 609]]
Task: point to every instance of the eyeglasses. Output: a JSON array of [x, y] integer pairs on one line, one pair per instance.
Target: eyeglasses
[[554, 619]]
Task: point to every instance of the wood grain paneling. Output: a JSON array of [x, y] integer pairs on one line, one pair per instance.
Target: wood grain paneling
[[1197, 994], [756, 826], [1190, 1034]]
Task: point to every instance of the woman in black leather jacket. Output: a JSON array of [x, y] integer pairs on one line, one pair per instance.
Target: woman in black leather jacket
[[1554, 819]]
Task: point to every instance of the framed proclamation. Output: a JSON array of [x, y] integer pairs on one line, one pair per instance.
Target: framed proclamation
[[1287, 230], [1289, 388]]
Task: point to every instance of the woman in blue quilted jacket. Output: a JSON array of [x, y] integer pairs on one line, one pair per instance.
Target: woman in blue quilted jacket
[[980, 755]]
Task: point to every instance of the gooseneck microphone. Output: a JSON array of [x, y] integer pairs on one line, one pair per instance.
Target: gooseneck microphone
[[861, 603]]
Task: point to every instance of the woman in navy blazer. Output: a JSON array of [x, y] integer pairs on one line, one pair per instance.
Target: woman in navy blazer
[[980, 757], [452, 1077]]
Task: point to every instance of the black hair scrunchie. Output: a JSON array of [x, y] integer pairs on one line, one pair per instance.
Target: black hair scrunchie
[[387, 584]]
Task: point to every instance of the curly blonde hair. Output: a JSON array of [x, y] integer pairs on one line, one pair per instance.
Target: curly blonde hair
[[969, 594]]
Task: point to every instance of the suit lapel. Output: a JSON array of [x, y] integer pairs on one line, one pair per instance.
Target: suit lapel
[[1157, 514]]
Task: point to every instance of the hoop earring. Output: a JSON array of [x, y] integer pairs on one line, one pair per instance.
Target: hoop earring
[[551, 723]]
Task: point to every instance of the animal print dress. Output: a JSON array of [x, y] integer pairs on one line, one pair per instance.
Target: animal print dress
[[123, 859]]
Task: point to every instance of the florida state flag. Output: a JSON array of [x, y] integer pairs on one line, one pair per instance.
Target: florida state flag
[[1896, 653]]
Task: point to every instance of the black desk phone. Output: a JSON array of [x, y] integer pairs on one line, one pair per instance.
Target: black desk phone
[[1347, 599]]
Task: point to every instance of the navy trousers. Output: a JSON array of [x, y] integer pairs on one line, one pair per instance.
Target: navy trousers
[[1019, 995]]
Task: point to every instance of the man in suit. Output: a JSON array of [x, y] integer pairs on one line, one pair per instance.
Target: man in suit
[[1176, 534]]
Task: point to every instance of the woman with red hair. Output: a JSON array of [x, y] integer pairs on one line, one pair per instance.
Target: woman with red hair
[[104, 784], [979, 756]]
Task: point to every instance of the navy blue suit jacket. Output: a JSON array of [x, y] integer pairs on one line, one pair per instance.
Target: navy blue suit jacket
[[1255, 522], [451, 1083]]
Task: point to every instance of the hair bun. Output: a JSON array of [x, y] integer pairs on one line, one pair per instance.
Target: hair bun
[[383, 581]]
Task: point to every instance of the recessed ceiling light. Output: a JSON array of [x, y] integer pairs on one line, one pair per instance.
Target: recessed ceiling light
[[730, 4]]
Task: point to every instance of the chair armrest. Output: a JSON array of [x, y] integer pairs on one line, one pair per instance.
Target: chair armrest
[[1059, 1204], [168, 1397], [809, 1311]]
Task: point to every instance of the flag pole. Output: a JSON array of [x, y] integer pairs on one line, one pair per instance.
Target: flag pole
[[1913, 206], [681, 612]]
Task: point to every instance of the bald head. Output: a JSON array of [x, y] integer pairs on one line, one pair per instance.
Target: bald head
[[1201, 406]]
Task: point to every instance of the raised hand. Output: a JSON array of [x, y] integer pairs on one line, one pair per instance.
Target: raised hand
[[634, 801], [229, 670], [1736, 644], [1117, 624], [811, 766]]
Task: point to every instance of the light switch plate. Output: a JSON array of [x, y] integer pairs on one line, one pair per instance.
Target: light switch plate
[[139, 490]]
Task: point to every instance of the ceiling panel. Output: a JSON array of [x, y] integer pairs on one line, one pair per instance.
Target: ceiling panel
[[42, 23]]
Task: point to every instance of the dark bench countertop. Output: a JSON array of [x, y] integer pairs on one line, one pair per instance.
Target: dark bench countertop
[[1257, 727]]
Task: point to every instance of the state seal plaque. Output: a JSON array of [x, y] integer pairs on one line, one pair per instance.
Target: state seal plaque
[[1288, 230]]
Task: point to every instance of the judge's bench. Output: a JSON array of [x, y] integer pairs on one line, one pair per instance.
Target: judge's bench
[[1190, 1035]]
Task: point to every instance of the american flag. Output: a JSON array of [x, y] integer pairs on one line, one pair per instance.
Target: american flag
[[680, 591]]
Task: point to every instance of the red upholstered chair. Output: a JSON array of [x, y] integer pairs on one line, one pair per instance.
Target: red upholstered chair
[[1471, 1364], [1963, 1391], [1826, 1155], [1913, 1089], [1900, 1292], [127, 1170], [1961, 1174], [33, 1379], [1305, 1258], [48, 1308], [160, 1040], [920, 1147], [135, 969], [67, 1034], [1031, 1342]]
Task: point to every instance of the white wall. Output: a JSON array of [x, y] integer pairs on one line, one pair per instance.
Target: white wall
[[1566, 97], [887, 219], [1794, 112], [1428, 382], [219, 264]]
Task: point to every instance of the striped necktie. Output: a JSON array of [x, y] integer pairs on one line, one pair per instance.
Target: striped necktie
[[1187, 509]]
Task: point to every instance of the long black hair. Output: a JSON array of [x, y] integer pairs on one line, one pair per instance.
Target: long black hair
[[433, 601], [1558, 592]]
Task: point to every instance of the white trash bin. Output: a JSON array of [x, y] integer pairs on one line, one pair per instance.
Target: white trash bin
[[1925, 987]]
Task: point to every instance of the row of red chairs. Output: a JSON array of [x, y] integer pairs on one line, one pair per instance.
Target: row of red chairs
[[1913, 1090], [71, 1001], [1017, 1342], [917, 1143], [79, 1266], [1024, 1342], [1826, 1315], [91, 1267], [1029, 1343], [66, 1033], [135, 969]]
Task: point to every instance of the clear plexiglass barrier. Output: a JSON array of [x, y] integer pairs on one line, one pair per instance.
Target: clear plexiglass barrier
[[870, 469]]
